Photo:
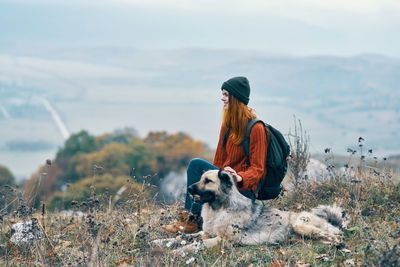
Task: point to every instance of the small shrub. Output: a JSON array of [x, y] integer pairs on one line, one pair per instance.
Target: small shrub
[[86, 191]]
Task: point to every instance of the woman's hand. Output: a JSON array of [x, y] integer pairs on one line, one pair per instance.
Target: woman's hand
[[237, 177]]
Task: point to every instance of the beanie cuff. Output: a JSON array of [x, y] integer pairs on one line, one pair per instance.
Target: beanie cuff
[[235, 92]]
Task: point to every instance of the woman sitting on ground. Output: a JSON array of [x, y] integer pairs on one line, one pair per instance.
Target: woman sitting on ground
[[229, 155]]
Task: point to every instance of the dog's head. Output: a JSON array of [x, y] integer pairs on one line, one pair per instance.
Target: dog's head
[[214, 187]]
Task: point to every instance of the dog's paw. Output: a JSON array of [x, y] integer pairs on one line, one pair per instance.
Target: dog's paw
[[330, 239], [191, 248]]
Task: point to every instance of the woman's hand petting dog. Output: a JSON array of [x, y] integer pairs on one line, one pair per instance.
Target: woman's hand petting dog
[[235, 176]]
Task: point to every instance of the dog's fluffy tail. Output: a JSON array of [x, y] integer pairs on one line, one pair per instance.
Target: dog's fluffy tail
[[333, 214]]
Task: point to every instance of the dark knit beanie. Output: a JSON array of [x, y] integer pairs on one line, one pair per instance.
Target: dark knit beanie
[[238, 87]]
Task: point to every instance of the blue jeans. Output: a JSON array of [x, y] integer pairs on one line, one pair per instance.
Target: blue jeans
[[195, 170]]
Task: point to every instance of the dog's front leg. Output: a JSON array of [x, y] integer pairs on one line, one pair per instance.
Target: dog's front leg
[[195, 235], [203, 235], [196, 245]]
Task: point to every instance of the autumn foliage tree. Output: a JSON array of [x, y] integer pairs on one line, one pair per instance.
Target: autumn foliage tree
[[174, 151], [120, 154], [81, 142]]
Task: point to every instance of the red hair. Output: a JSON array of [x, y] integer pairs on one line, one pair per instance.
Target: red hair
[[236, 117]]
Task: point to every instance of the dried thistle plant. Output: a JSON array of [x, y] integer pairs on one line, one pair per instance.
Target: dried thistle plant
[[299, 142]]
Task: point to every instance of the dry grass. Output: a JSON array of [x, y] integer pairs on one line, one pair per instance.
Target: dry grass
[[120, 235]]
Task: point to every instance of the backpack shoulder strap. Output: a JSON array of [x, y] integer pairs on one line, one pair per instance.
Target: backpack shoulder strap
[[226, 136], [246, 140]]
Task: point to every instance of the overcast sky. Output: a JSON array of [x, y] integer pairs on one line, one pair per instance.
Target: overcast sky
[[296, 27]]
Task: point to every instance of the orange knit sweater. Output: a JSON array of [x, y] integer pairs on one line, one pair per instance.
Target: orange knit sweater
[[233, 156]]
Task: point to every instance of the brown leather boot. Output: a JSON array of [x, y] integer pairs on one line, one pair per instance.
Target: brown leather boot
[[187, 223]]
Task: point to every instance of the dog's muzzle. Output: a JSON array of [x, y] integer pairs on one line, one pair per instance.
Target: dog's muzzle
[[193, 191], [201, 196]]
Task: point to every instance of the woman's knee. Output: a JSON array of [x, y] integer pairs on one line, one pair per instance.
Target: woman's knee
[[195, 163], [193, 170]]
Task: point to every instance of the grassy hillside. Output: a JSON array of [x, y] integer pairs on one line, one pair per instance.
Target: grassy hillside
[[105, 234]]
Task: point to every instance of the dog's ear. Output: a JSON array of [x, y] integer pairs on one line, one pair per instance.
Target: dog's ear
[[224, 177]]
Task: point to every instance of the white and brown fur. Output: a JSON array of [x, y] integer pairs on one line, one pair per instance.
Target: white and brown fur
[[227, 214]]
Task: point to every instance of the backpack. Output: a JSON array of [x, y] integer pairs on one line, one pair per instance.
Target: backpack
[[276, 163]]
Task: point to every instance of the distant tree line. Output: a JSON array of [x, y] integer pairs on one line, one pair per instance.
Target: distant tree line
[[107, 162]]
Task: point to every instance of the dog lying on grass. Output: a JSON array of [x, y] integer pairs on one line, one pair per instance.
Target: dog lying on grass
[[228, 215]]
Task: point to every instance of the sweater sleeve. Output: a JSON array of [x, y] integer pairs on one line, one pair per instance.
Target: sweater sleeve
[[258, 153], [220, 153]]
